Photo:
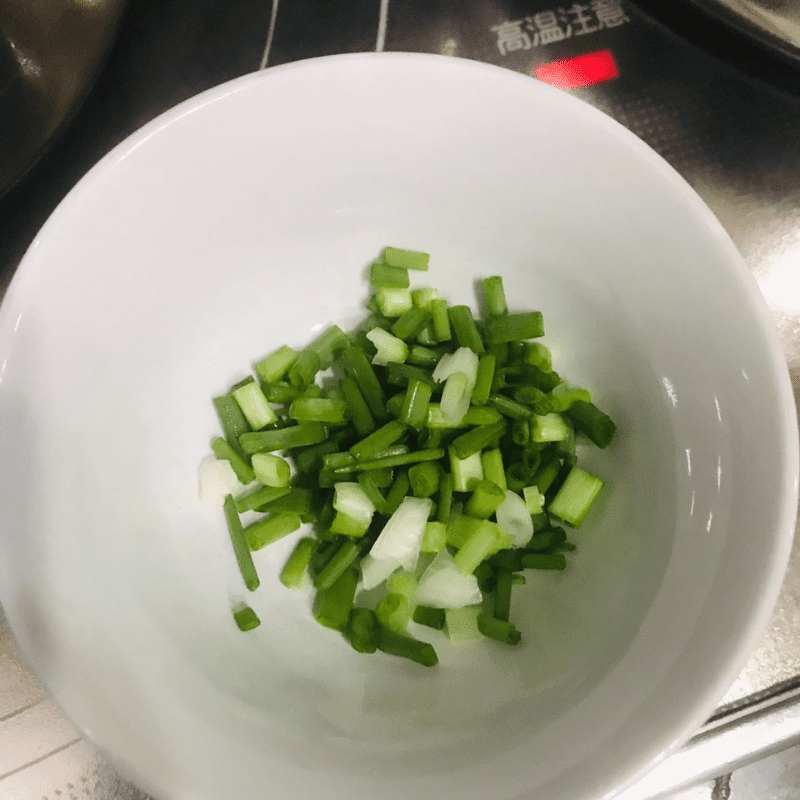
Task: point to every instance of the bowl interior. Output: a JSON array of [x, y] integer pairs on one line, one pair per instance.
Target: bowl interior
[[244, 219]]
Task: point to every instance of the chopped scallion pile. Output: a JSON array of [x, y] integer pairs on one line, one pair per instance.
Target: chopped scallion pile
[[433, 453]]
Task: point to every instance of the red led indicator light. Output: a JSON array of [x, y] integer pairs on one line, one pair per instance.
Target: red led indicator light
[[573, 73]]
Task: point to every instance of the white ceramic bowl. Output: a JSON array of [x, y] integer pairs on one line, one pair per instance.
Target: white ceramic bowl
[[243, 219]]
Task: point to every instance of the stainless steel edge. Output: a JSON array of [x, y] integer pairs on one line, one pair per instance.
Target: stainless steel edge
[[734, 737]]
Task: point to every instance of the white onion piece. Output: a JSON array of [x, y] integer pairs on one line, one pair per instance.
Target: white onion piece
[[216, 479], [390, 348], [401, 537], [514, 518], [375, 572], [443, 586], [455, 398], [442, 369], [352, 501], [463, 360]]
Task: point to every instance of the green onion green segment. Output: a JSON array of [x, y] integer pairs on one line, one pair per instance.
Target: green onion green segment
[[428, 461]]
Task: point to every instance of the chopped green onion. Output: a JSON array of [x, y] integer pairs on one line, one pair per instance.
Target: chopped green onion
[[500, 352], [495, 296], [388, 276], [476, 439], [394, 612], [336, 460], [404, 583], [509, 408], [498, 629], [271, 470], [376, 477], [383, 478], [422, 298], [397, 644], [502, 596], [430, 617], [467, 472], [352, 500], [424, 477], [329, 345], [356, 364], [332, 605], [576, 495], [379, 440], [291, 575], [443, 585], [484, 379], [564, 395], [486, 577], [362, 630], [422, 356], [539, 356], [275, 366], [394, 405], [465, 329], [325, 548], [411, 323], [549, 428], [397, 491], [520, 431], [344, 556], [283, 438], [484, 541], [434, 539], [484, 500], [547, 473], [592, 422], [240, 547], [544, 561], [347, 525], [281, 392], [441, 320], [415, 404], [319, 409], [222, 449], [541, 379], [232, 420], [531, 396], [546, 540], [269, 530], [246, 619], [401, 374], [427, 336], [408, 259], [446, 486], [514, 327], [534, 499], [304, 369], [392, 302], [462, 623], [460, 528], [362, 418], [367, 481], [259, 497], [476, 415], [492, 463]]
